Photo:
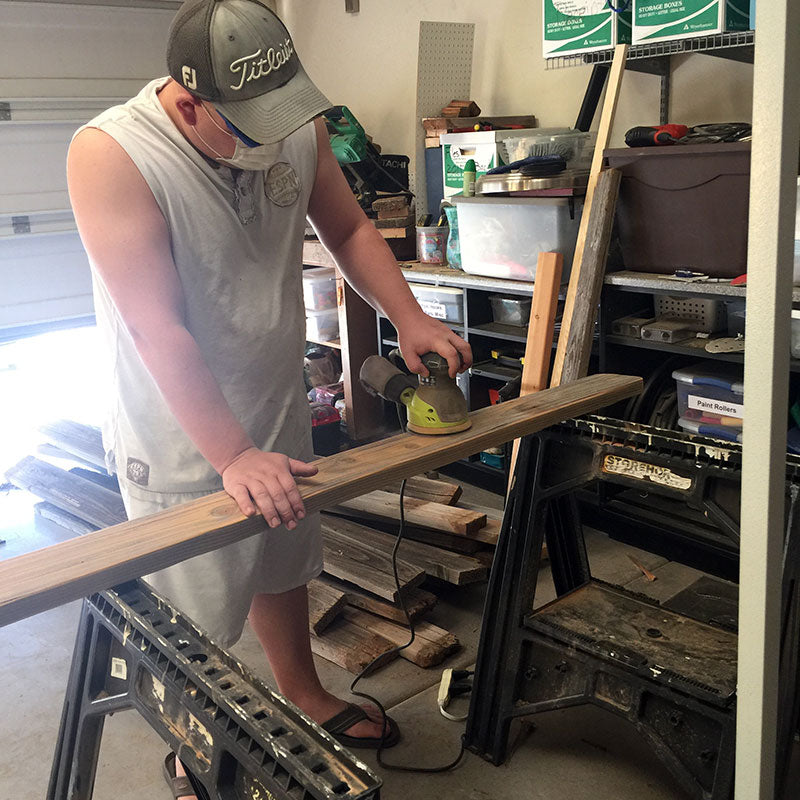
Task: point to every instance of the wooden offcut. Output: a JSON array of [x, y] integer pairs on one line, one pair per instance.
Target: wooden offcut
[[70, 570], [352, 647], [431, 645], [364, 563], [453, 568], [417, 602], [421, 513], [325, 603], [436, 491]]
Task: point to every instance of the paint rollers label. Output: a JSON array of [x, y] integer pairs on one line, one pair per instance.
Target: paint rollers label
[[721, 408]]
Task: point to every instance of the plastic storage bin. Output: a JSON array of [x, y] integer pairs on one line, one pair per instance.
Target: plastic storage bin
[[322, 326], [684, 207], [440, 302], [510, 310], [319, 288], [710, 394], [501, 237]]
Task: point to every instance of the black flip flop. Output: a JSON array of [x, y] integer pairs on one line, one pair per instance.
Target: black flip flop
[[180, 785], [351, 715]]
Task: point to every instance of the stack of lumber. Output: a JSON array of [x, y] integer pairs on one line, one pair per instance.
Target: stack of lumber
[[395, 222], [395, 217], [355, 606]]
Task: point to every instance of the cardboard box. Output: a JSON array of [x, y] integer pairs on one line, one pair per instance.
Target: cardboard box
[[666, 20], [485, 148], [583, 26]]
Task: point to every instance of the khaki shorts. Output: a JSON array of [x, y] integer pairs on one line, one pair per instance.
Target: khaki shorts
[[215, 589]]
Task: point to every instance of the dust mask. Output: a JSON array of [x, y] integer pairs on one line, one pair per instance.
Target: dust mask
[[258, 158]]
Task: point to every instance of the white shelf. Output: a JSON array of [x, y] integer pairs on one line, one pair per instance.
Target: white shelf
[[647, 282]]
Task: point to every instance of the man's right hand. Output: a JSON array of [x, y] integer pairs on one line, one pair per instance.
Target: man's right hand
[[264, 482]]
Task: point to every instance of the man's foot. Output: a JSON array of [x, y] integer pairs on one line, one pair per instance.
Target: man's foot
[[325, 707]]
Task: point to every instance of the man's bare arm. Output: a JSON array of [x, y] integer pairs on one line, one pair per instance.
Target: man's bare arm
[[369, 266], [126, 237]]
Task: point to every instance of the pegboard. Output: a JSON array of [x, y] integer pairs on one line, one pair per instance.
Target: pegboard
[[444, 73]]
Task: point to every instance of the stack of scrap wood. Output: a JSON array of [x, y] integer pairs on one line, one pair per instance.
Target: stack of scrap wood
[[355, 605], [395, 222]]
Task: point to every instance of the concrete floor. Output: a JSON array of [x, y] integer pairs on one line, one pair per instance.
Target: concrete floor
[[580, 753]]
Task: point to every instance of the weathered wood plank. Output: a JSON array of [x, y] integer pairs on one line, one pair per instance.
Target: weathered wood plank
[[83, 441], [63, 518], [67, 571], [421, 513], [417, 601], [351, 646], [431, 645], [325, 603], [451, 567], [360, 563], [436, 491], [69, 491]]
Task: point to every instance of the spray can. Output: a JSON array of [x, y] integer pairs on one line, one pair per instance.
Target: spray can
[[468, 189]]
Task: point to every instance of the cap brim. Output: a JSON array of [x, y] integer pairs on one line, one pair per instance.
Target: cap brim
[[274, 115]]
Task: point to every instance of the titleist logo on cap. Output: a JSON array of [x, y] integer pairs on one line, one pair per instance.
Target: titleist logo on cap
[[260, 64]]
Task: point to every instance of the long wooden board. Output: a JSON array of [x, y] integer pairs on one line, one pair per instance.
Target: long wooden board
[[67, 571], [577, 277]]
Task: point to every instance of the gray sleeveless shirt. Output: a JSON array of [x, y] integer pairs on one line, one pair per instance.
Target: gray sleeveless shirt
[[236, 239]]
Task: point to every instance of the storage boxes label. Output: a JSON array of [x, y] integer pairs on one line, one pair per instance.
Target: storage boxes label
[[582, 26], [680, 19]]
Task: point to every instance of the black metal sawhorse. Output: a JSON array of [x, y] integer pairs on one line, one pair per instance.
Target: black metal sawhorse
[[239, 739], [671, 676]]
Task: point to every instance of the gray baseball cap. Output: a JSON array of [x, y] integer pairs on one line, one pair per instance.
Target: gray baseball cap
[[239, 56]]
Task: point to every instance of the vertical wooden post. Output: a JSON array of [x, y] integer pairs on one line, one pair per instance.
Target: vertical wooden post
[[539, 343]]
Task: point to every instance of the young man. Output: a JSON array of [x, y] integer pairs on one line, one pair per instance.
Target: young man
[[191, 200]]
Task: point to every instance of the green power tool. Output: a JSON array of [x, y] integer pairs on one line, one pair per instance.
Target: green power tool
[[434, 405], [348, 138]]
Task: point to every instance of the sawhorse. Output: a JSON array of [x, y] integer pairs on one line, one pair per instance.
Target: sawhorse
[[673, 677], [239, 739]]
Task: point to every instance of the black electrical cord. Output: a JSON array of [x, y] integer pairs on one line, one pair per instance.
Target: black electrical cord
[[380, 658]]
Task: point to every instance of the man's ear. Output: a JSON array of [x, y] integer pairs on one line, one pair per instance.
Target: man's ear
[[188, 106]]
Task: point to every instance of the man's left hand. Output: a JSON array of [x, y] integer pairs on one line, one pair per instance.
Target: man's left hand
[[423, 335]]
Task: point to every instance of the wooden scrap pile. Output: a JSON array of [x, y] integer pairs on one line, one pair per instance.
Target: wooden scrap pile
[[395, 222], [354, 611]]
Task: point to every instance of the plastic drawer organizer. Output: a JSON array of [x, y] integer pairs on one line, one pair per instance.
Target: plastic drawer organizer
[[319, 288], [440, 302], [711, 400]]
